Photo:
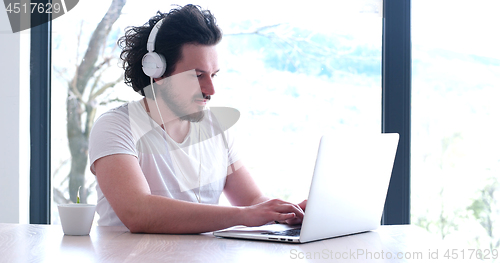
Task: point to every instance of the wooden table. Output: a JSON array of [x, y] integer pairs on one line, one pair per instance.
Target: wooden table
[[47, 243]]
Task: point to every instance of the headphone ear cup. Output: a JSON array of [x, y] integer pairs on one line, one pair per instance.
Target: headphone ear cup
[[153, 65]]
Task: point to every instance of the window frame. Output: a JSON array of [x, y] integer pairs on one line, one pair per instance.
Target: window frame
[[396, 111], [40, 89], [396, 104]]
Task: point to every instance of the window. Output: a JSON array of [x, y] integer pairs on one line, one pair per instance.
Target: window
[[455, 157], [293, 71]]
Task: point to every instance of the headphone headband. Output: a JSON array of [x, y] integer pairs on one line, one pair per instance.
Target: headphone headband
[[152, 35]]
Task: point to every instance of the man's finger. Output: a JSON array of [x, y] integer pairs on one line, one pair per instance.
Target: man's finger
[[284, 217], [288, 207], [303, 205]]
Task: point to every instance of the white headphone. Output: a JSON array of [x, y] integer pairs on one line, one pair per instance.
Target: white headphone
[[153, 64]]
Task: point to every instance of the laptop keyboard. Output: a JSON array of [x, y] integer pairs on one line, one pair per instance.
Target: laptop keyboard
[[295, 232]]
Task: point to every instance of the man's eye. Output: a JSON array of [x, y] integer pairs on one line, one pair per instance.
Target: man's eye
[[199, 75]]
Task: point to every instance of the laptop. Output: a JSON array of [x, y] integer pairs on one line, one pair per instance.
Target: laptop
[[347, 193]]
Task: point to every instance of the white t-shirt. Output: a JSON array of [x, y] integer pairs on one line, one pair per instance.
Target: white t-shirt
[[171, 169]]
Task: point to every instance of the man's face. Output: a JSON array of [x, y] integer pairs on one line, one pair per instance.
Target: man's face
[[189, 88]]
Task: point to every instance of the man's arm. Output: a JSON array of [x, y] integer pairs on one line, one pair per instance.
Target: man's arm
[[126, 189], [241, 190]]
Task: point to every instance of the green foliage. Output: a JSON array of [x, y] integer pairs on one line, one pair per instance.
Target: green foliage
[[485, 210]]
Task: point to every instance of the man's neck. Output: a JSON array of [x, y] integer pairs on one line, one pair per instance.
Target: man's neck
[[176, 128]]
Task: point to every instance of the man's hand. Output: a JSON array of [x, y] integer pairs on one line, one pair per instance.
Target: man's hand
[[296, 221], [272, 210], [303, 205]]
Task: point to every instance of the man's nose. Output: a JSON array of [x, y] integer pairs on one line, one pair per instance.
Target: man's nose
[[207, 86]]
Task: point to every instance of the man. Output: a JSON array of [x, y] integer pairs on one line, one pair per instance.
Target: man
[[161, 163]]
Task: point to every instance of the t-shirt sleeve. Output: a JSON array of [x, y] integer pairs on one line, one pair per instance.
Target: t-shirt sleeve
[[111, 134]]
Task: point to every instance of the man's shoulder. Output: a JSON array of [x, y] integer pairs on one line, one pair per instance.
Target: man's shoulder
[[118, 113], [120, 110], [117, 117]]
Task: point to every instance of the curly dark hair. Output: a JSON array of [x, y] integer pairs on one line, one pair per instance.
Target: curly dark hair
[[182, 25]]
